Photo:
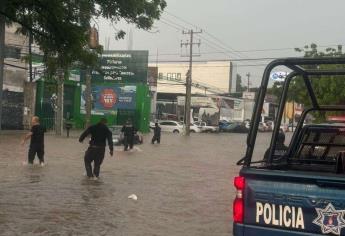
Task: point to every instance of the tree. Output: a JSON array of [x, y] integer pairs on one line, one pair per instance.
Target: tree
[[239, 87], [60, 27], [328, 89]]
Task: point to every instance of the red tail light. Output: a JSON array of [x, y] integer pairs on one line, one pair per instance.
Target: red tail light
[[239, 182], [238, 206]]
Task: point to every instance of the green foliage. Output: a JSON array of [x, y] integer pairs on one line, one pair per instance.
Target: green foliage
[[60, 27], [239, 87], [328, 89]]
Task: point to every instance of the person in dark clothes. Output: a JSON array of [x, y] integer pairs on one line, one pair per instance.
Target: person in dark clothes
[[128, 135], [280, 148], [156, 134], [37, 141], [100, 133]]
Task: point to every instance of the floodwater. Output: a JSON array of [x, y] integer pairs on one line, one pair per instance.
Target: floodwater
[[184, 187]]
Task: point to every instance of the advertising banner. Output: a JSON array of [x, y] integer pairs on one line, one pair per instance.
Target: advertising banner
[[108, 99], [122, 67]]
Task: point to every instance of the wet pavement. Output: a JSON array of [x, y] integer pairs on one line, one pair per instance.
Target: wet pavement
[[184, 187]]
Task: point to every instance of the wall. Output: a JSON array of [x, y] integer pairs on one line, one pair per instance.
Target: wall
[[12, 109]]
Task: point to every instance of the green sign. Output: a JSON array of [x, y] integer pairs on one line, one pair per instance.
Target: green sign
[[123, 67]]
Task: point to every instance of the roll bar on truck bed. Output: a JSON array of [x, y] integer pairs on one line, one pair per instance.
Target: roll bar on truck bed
[[298, 67]]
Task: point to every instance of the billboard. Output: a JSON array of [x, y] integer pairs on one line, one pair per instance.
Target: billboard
[[197, 101], [122, 67], [108, 99]]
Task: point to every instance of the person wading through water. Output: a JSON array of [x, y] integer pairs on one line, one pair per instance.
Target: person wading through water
[[156, 134], [37, 141], [128, 135], [96, 150]]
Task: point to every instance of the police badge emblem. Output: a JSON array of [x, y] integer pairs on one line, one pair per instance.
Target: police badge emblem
[[330, 220]]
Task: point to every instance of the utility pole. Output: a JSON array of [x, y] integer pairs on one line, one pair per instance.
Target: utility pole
[[60, 102], [248, 81], [2, 55], [187, 120]]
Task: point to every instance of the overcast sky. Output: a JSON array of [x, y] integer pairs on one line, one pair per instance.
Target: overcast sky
[[237, 25]]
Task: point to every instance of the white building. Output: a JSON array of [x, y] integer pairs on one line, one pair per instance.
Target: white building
[[207, 77]]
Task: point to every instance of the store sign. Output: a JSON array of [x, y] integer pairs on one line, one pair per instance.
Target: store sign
[[108, 99], [122, 67], [74, 75], [249, 95], [279, 76], [238, 104], [197, 101]]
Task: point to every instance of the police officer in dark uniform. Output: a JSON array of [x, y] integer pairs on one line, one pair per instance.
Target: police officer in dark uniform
[[280, 148], [37, 141], [96, 151], [128, 133], [156, 134]]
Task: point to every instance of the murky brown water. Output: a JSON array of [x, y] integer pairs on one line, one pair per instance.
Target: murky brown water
[[184, 187]]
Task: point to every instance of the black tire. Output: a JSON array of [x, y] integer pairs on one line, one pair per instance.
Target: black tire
[[192, 131], [176, 131]]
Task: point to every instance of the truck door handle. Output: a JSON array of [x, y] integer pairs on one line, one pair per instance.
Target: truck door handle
[[326, 183]]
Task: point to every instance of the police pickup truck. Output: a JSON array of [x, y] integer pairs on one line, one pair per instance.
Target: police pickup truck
[[300, 191]]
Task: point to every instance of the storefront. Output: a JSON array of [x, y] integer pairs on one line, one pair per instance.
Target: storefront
[[119, 93]]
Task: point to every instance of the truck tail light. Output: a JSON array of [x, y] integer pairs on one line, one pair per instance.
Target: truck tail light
[[238, 205]]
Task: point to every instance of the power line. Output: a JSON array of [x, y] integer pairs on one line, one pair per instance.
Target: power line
[[212, 36], [171, 25], [251, 50]]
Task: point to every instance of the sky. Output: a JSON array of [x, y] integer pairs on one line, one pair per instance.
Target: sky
[[236, 30]]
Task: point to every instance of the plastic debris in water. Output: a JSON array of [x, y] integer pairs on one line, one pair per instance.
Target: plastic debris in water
[[133, 196]]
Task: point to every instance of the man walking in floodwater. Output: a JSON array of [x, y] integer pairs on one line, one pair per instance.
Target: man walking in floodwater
[[156, 134], [37, 141], [128, 135], [96, 150]]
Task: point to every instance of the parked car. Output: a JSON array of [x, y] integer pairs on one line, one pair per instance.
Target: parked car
[[263, 127], [195, 128], [222, 125], [270, 125], [171, 126], [247, 124], [118, 135], [236, 127], [206, 128]]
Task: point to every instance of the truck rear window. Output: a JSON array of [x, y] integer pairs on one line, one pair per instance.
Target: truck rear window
[[319, 146]]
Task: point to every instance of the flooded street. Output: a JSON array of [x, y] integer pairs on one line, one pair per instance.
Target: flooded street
[[184, 187]]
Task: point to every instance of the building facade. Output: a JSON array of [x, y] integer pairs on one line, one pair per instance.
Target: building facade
[[119, 93], [17, 107], [207, 77]]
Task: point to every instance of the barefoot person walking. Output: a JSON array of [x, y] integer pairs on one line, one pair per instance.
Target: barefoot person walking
[[37, 141], [96, 150]]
